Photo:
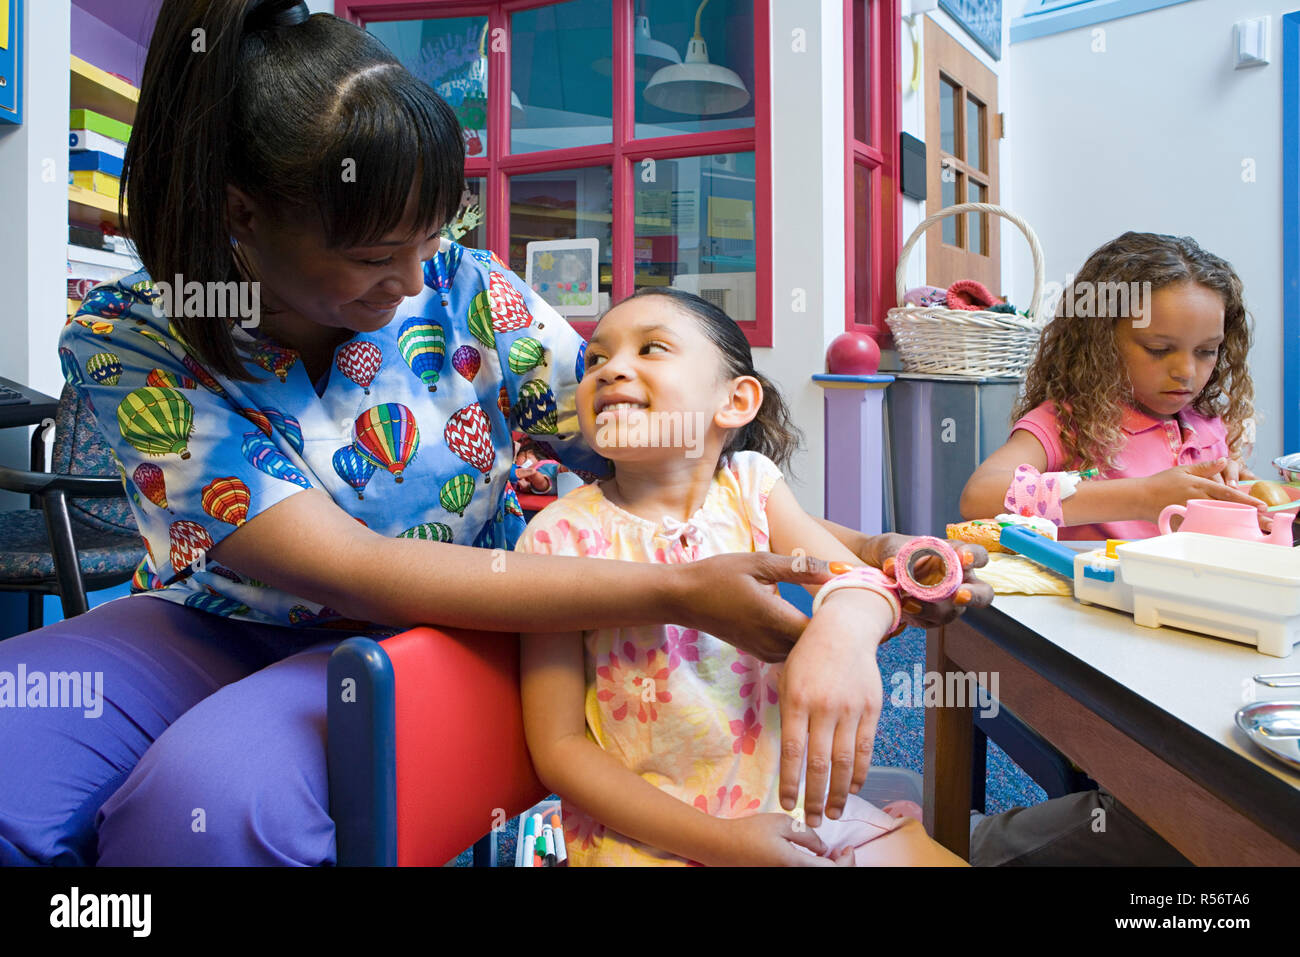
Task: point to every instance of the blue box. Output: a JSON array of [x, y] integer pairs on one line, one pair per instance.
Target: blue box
[[95, 160]]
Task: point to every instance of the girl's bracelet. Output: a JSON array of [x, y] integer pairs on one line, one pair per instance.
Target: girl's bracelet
[[864, 577]]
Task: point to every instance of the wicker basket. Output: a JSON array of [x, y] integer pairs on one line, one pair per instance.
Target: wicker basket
[[946, 341]]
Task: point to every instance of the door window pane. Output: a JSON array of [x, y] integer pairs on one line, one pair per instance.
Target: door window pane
[[950, 188], [948, 98], [469, 226], [978, 222], [559, 98], [568, 204], [713, 88], [695, 230], [975, 133], [862, 243], [451, 56]]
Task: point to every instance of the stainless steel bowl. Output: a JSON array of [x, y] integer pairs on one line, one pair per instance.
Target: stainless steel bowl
[[1288, 466]]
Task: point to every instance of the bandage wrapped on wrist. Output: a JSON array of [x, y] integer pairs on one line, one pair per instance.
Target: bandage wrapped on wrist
[[905, 580], [872, 579], [1037, 494]]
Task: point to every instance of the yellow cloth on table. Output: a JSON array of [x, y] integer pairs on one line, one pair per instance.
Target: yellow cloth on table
[[1015, 575]]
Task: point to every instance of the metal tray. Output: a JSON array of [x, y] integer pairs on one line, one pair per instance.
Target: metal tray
[[1275, 727]]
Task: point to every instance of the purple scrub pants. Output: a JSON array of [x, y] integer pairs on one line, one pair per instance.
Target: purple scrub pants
[[205, 745]]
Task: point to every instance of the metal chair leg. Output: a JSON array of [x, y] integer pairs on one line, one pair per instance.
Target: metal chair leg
[[67, 567], [35, 610]]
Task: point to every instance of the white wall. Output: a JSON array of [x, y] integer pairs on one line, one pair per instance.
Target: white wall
[[808, 220], [1151, 135], [34, 211]]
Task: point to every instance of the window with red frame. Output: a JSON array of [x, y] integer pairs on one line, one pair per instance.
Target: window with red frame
[[872, 224], [641, 125]]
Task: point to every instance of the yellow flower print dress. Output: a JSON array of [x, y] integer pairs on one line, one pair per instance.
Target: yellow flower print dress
[[686, 711]]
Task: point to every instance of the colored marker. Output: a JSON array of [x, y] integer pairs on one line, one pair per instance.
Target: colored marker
[[548, 839], [561, 852], [541, 851], [527, 841]]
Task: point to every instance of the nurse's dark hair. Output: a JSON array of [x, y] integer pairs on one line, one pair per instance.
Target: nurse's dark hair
[[309, 115], [772, 432]]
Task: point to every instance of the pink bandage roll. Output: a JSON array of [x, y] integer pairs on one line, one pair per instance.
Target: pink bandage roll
[[905, 569]]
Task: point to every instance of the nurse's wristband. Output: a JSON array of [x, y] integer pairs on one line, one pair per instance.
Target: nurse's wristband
[[872, 579]]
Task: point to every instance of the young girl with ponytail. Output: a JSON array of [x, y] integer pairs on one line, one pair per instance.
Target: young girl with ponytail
[[665, 742]]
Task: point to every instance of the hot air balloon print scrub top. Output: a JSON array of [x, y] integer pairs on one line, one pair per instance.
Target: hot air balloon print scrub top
[[410, 434]]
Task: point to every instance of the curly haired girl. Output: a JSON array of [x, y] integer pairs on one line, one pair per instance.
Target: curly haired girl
[[1140, 380]]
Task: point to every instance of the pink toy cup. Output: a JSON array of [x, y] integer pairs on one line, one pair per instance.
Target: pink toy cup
[[1229, 519]]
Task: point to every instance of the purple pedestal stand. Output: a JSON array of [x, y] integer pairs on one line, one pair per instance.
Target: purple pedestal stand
[[855, 449]]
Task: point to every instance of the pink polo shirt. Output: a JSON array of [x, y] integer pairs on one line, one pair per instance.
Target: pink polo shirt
[[1153, 445]]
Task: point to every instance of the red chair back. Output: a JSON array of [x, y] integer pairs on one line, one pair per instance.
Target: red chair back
[[462, 763]]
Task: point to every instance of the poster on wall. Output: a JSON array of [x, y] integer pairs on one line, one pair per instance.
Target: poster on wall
[[982, 19], [11, 61], [563, 272]]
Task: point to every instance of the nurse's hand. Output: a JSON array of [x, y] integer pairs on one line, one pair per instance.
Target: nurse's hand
[[731, 596], [973, 593]]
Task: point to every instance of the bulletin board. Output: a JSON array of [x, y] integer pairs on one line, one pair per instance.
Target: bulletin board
[[11, 61]]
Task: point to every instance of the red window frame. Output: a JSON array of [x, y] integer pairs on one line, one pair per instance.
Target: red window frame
[[880, 157], [622, 154]]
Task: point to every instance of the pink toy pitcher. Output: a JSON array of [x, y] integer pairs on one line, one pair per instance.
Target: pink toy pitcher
[[1231, 519]]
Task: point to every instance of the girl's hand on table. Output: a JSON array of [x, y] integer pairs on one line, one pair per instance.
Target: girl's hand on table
[[973, 593], [831, 697], [731, 596], [1178, 485], [1235, 471], [770, 840]]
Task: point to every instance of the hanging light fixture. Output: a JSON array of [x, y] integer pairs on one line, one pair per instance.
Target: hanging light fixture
[[651, 54], [697, 86], [481, 74]]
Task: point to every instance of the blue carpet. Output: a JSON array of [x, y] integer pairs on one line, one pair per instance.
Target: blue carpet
[[900, 742], [900, 736]]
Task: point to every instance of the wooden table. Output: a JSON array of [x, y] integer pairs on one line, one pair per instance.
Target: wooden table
[[1147, 712]]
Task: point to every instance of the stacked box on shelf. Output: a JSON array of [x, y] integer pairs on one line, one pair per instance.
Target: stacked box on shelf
[[96, 144]]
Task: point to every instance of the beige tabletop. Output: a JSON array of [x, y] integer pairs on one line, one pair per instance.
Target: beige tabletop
[[1199, 680]]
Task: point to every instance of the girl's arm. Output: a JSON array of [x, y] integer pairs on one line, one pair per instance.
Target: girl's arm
[[830, 689], [553, 689], [569, 763], [1107, 500], [308, 546], [878, 552]]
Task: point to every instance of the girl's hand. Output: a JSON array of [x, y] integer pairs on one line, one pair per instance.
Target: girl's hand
[[770, 840], [1176, 486], [529, 478], [972, 594], [830, 702], [731, 596], [1235, 471]]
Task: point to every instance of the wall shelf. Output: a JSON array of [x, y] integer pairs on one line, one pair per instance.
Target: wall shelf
[[87, 206], [98, 90]]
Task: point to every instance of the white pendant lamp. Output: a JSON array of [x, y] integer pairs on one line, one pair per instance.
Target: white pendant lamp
[[481, 75], [697, 86], [651, 55]]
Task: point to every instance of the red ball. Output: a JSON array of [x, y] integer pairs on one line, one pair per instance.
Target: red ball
[[853, 353]]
